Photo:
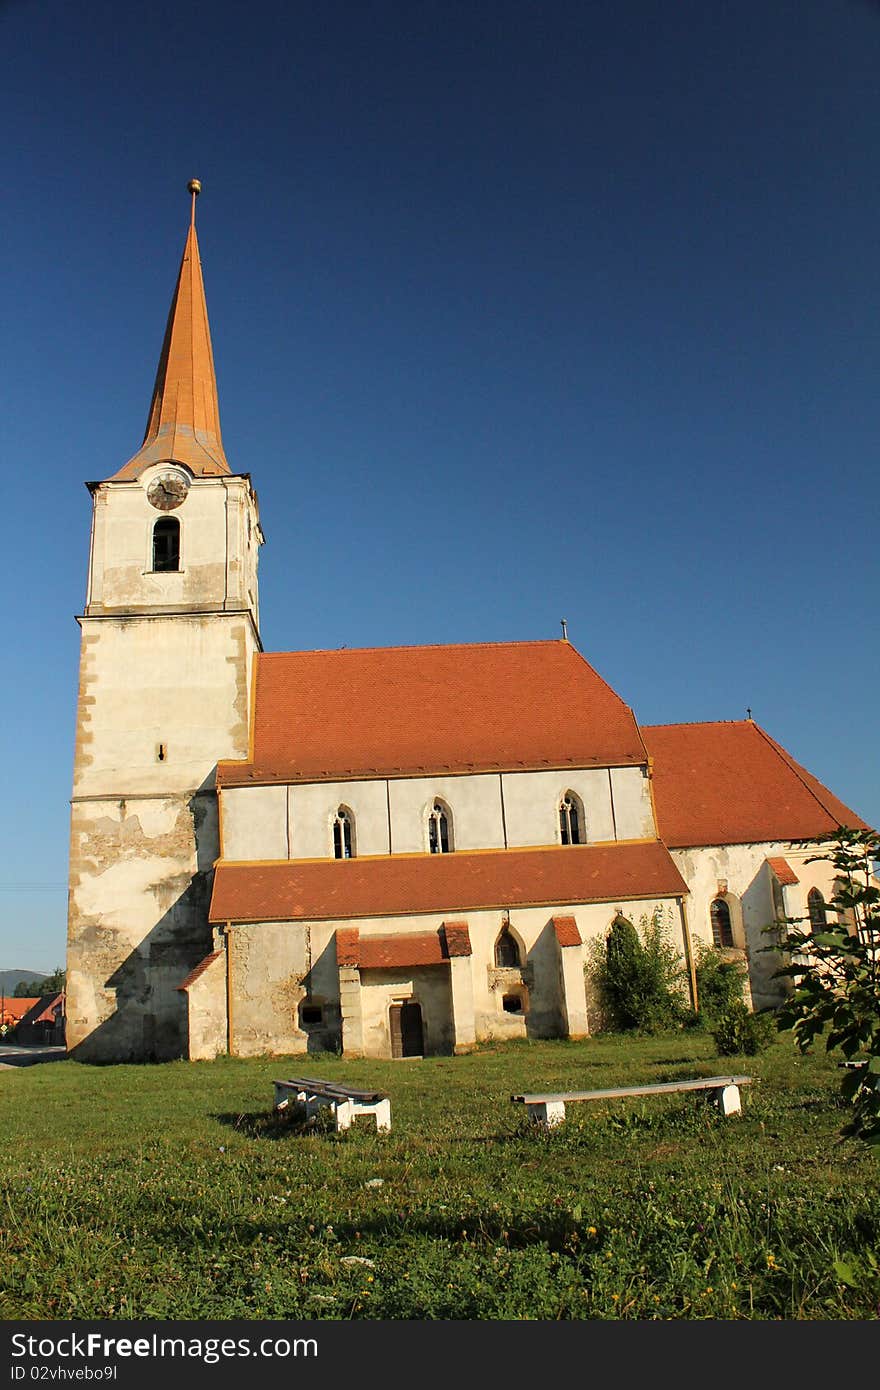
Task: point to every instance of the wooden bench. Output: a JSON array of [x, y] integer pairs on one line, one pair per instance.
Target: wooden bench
[[345, 1101], [549, 1108]]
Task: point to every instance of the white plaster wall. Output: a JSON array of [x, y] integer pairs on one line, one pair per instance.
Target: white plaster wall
[[531, 805], [254, 822], [633, 810], [313, 807], [475, 803], [181, 681], [298, 823], [428, 985]]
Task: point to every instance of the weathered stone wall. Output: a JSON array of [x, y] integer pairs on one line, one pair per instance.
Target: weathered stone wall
[[140, 883]]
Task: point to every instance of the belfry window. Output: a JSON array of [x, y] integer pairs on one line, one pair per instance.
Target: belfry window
[[722, 928], [571, 820], [343, 839], [439, 828], [816, 909], [166, 544]]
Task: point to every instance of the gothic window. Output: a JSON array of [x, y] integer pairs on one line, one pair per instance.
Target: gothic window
[[816, 909], [722, 928], [343, 837], [506, 950], [440, 828], [166, 544], [571, 820]]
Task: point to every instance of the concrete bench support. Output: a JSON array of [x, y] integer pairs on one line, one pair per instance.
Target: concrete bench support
[[727, 1099], [547, 1112]]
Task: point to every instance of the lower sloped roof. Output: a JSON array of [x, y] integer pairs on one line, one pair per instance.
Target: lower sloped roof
[[404, 884]]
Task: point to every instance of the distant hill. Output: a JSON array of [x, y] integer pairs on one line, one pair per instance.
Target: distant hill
[[10, 978]]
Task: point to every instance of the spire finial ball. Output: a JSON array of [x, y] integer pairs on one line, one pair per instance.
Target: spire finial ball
[[194, 186]]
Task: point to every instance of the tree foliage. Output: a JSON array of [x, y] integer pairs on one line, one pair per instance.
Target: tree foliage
[[835, 975], [48, 984]]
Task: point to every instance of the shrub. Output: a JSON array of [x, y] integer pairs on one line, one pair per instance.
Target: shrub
[[738, 1030], [639, 976], [720, 983]]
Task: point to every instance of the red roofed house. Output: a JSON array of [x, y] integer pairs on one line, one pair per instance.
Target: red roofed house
[[394, 851]]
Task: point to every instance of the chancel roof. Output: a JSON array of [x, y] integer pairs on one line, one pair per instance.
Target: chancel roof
[[730, 783]]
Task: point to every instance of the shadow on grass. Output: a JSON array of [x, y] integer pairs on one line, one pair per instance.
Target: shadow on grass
[[272, 1124]]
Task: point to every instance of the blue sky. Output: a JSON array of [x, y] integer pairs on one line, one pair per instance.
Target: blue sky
[[520, 312]]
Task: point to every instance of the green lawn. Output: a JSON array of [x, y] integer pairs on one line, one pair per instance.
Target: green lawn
[[172, 1192]]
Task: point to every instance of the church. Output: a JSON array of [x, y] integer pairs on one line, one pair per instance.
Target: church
[[388, 852]]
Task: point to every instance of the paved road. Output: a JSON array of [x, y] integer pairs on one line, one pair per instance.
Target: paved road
[[14, 1055]]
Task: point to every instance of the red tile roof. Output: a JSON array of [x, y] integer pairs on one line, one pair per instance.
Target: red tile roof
[[200, 969], [392, 711], [731, 783], [400, 884], [389, 952], [567, 933], [15, 1009], [783, 871]]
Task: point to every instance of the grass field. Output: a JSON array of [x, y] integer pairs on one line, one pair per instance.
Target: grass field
[[172, 1192]]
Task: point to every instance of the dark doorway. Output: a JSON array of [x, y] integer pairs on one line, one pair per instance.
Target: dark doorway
[[407, 1033]]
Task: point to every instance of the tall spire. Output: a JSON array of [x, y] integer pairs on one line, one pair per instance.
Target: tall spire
[[184, 419]]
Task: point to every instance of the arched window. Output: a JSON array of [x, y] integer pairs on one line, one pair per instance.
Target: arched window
[[722, 928], [343, 839], [506, 950], [166, 544], [439, 828], [572, 830], [816, 909]]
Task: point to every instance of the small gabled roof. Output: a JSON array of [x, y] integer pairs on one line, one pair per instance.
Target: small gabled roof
[[368, 952], [184, 420], [425, 711], [730, 783], [785, 874]]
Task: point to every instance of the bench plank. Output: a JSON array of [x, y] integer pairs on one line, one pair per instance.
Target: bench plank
[[701, 1083], [306, 1083], [548, 1107]]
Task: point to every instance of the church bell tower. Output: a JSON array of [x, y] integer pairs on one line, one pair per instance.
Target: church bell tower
[[169, 631]]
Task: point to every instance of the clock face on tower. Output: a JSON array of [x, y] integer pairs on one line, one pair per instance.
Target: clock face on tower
[[167, 491]]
